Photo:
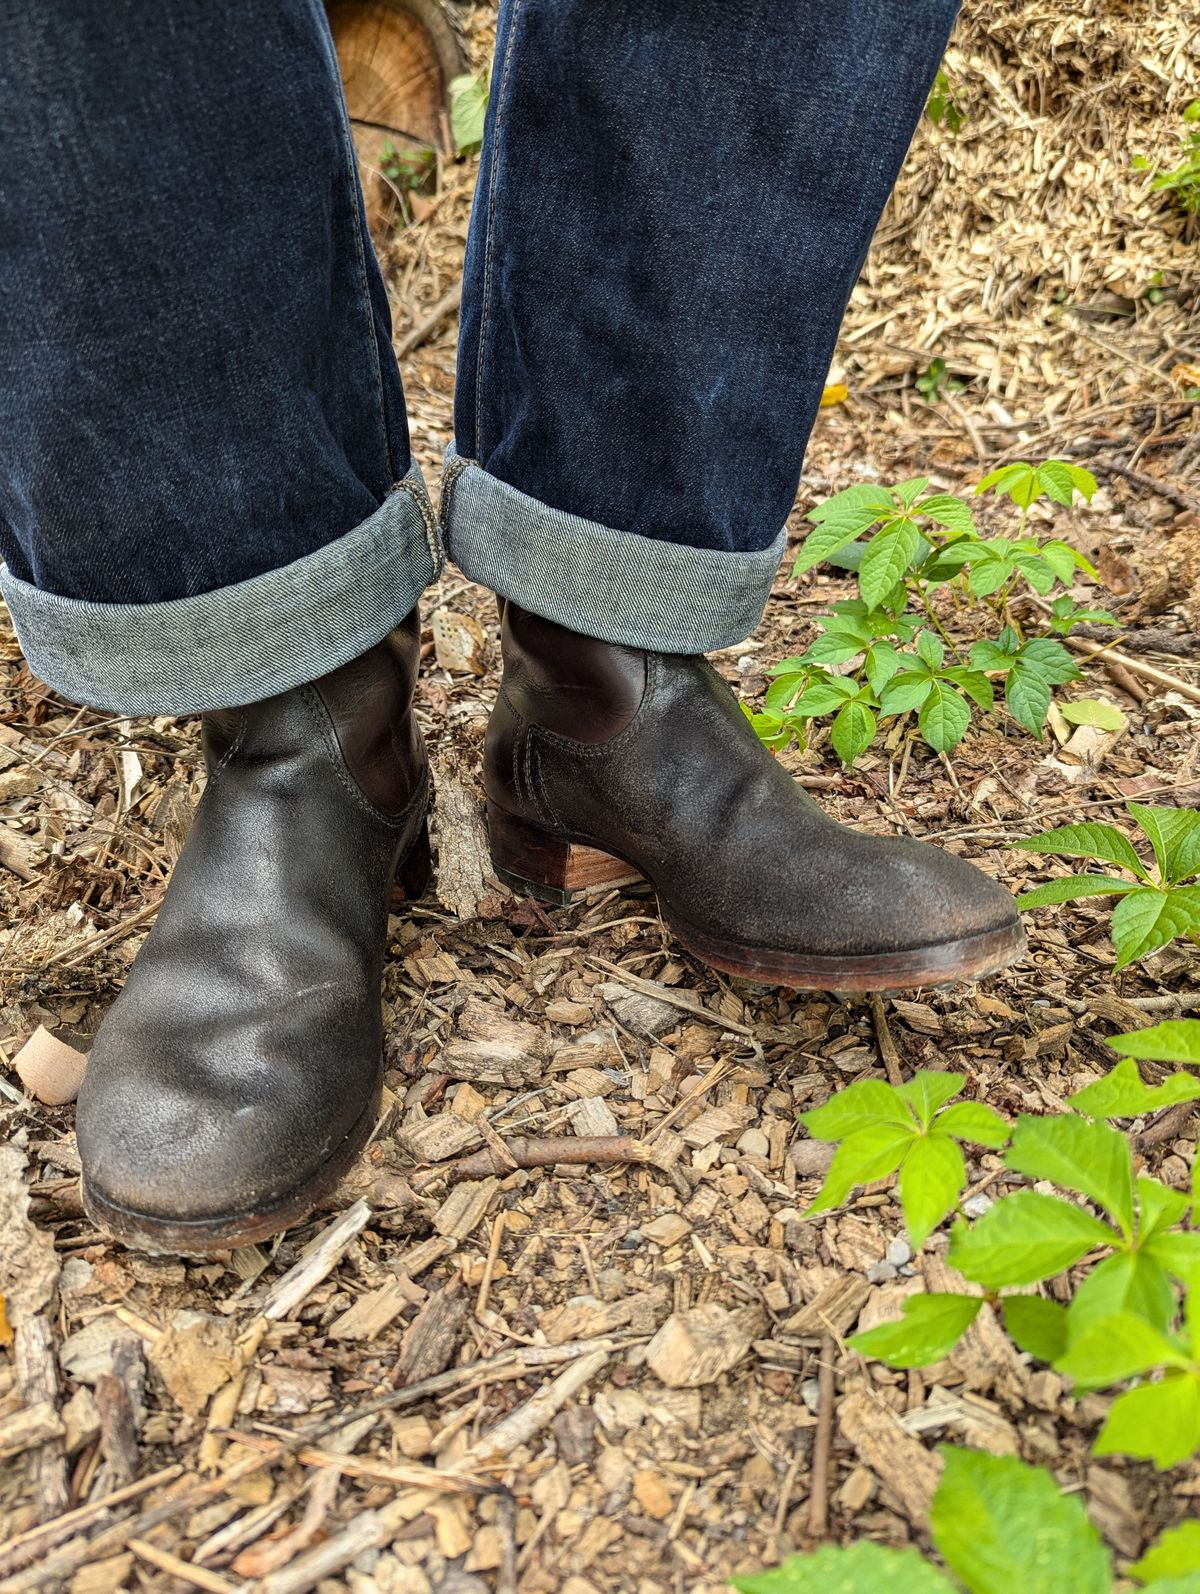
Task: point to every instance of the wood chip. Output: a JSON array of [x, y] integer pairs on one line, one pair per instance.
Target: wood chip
[[880, 1442], [434, 1335], [465, 1208], [49, 1068], [435, 1139], [715, 1123], [695, 1347], [316, 1262]]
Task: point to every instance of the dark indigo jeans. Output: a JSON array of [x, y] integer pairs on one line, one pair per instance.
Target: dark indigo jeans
[[206, 492]]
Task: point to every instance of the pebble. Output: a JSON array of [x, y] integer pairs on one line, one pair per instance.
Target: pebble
[[977, 1205], [754, 1143], [880, 1273], [899, 1252]]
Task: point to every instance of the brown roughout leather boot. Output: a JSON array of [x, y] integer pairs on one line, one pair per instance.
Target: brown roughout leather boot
[[237, 1076], [603, 763]]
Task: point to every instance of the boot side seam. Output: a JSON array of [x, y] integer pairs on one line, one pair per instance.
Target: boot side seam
[[235, 746], [599, 749], [320, 714]]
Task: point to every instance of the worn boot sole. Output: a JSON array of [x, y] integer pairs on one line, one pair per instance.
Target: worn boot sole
[[560, 870], [144, 1231]]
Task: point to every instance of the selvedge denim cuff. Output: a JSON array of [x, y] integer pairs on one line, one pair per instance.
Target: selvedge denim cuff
[[617, 586], [241, 643]]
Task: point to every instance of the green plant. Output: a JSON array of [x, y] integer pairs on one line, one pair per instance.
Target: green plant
[[936, 380], [943, 107], [1157, 906], [883, 1128], [1131, 1238], [1182, 181], [1000, 1526], [468, 110], [904, 542]]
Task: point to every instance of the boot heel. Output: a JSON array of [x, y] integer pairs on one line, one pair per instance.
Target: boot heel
[[530, 860], [415, 869]]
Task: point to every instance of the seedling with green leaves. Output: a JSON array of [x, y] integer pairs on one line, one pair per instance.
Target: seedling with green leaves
[[1000, 1527], [943, 107], [909, 1128], [1158, 905], [468, 110], [1182, 182], [904, 542], [1132, 1235]]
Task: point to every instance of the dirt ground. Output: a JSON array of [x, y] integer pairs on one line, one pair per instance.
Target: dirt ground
[[590, 1375]]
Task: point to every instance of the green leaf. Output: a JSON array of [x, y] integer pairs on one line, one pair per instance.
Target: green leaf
[[862, 1157], [944, 718], [1116, 1347], [974, 683], [929, 1330], [1129, 1281], [1176, 1251], [853, 731], [1086, 841], [1062, 481], [945, 510], [1174, 1554], [867, 1102], [932, 1175], [1158, 1206], [1005, 1528], [1078, 1154], [1050, 659], [1175, 1040], [1036, 1325], [971, 1120], [1027, 697], [1071, 887], [928, 1090], [1122, 1093], [886, 561], [862, 1568], [1025, 1238], [468, 110], [1175, 836], [1145, 921], [905, 691], [1155, 1422], [1018, 481], [841, 520], [1095, 711]]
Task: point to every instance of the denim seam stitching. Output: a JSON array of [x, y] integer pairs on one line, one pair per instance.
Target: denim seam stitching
[[350, 173], [493, 181], [433, 539]]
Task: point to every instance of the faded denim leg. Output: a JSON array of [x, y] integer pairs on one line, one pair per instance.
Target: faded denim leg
[[674, 203], [206, 491]]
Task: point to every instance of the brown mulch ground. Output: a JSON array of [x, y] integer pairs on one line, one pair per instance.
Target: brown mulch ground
[[596, 1376]]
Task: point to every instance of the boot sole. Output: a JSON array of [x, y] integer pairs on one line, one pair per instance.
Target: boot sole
[[144, 1231], [560, 870]]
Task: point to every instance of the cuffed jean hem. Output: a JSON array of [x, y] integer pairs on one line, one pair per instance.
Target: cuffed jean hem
[[614, 585], [241, 643]]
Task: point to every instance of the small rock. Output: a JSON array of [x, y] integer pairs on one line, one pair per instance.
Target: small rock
[[898, 1252], [754, 1143], [975, 1206], [880, 1273], [811, 1158]]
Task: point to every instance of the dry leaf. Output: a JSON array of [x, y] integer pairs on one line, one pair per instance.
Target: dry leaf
[[28, 1262], [457, 642]]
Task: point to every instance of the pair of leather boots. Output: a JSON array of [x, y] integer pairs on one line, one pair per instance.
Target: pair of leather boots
[[237, 1076]]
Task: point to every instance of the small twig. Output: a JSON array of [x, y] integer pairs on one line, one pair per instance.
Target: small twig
[[1172, 1123], [883, 1037], [489, 1267], [446, 306], [1061, 809], [687, 1002], [544, 1151], [199, 1576], [1150, 484], [818, 1500], [1148, 672]]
